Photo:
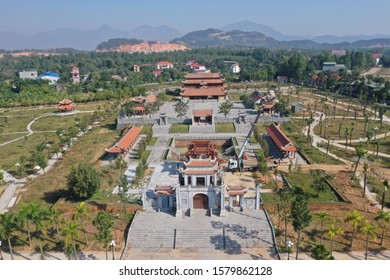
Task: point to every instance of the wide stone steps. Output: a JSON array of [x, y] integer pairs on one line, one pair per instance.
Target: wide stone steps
[[217, 239], [199, 239], [202, 129], [151, 239]]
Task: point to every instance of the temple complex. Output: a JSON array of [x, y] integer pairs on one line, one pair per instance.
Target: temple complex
[[124, 145], [204, 86]]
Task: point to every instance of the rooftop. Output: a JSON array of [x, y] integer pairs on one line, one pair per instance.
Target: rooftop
[[280, 139]]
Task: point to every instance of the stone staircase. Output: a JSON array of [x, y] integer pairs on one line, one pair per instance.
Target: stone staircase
[[202, 129], [200, 239], [151, 239]]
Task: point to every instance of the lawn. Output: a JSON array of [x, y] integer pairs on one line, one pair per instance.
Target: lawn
[[180, 128], [88, 148], [16, 123], [52, 123], [24, 147], [153, 141], [305, 181], [225, 128], [333, 128], [8, 137], [384, 145]]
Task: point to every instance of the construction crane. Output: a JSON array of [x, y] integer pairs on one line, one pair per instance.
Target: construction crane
[[237, 163]]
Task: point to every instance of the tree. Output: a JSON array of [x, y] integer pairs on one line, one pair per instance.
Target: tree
[[225, 108], [284, 206], [81, 215], [309, 122], [8, 226], [383, 216], [333, 231], [369, 230], [365, 170], [181, 108], [26, 215], [55, 217], [38, 218], [385, 189], [346, 133], [83, 181], [103, 221], [323, 216], [70, 231], [360, 153], [301, 217], [355, 218], [319, 252]]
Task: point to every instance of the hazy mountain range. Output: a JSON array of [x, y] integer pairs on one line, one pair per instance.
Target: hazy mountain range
[[88, 40]]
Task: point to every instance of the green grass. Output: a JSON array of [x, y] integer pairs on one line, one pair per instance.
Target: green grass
[[54, 122], [332, 131], [153, 141], [146, 129], [305, 182], [14, 124], [9, 137], [180, 128], [225, 128], [146, 154], [165, 155], [269, 198]]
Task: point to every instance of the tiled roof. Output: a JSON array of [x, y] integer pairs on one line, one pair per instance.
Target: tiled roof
[[212, 91], [139, 108], [202, 113], [204, 76], [125, 143], [66, 107], [65, 102], [205, 81], [151, 98], [199, 172], [278, 136], [164, 63], [200, 163]]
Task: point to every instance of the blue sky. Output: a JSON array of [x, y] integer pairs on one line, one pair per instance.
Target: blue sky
[[292, 17]]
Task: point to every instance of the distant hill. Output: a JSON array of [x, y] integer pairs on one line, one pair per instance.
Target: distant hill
[[82, 39], [216, 37], [134, 45]]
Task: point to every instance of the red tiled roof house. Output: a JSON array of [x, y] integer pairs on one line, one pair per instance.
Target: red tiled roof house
[[280, 140]]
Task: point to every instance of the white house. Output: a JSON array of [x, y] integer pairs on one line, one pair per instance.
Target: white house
[[50, 76], [332, 66], [164, 65], [235, 68], [29, 74]]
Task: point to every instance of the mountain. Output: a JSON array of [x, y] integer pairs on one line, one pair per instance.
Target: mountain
[[249, 26], [218, 38], [82, 39], [215, 37]]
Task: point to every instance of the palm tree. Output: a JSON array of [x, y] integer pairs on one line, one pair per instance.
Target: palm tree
[[81, 215], [365, 170], [26, 215], [368, 229], [39, 216], [323, 216], [56, 219], [385, 189], [383, 216], [365, 122], [333, 231], [71, 230], [360, 153], [355, 218], [8, 226]]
